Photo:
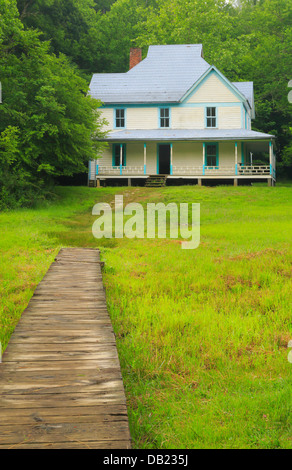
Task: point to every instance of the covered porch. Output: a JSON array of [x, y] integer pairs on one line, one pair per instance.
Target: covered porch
[[214, 156]]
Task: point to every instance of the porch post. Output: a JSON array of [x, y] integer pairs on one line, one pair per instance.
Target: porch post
[[236, 158], [89, 171], [144, 159], [204, 151], [121, 158], [271, 156], [171, 159]]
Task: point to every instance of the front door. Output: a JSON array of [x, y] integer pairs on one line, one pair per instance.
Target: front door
[[164, 159]]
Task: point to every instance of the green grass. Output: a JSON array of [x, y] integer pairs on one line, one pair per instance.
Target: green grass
[[202, 334]]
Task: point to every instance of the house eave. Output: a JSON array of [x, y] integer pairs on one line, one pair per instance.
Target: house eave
[[182, 135]]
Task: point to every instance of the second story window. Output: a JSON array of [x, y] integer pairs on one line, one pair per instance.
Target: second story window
[[164, 117], [211, 118], [120, 117]]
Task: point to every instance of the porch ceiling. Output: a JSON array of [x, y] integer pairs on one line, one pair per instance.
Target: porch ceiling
[[186, 135]]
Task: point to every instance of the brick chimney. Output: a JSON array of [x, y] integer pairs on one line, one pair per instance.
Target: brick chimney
[[135, 56]]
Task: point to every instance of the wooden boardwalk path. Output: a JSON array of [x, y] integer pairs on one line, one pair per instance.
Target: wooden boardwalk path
[[60, 379]]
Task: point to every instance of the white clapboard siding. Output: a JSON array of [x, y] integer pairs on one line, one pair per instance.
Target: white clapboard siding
[[229, 117], [227, 154], [142, 118], [92, 169], [213, 90], [187, 154], [107, 158], [187, 118], [108, 114], [135, 118]]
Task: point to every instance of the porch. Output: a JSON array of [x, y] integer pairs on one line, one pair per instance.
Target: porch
[[192, 159]]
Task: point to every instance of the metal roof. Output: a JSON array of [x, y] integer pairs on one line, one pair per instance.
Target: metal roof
[[163, 76], [186, 134], [246, 88]]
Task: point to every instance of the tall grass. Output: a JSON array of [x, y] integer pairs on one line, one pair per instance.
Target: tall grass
[[202, 334]]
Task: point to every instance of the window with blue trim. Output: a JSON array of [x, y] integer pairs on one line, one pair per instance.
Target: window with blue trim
[[211, 155], [211, 117], [164, 117], [116, 154], [120, 117]]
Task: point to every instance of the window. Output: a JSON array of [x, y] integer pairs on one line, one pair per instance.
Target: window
[[120, 117], [164, 117], [212, 155], [211, 117], [116, 154]]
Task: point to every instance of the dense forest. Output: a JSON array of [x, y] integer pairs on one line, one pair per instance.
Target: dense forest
[[50, 48]]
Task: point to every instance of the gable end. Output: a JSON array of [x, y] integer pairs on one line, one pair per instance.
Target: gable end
[[213, 86]]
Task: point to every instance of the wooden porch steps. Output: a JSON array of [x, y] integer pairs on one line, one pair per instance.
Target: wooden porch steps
[[60, 380], [155, 181]]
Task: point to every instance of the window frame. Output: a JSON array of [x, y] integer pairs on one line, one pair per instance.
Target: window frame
[[116, 118], [216, 166], [211, 117], [114, 156], [160, 117]]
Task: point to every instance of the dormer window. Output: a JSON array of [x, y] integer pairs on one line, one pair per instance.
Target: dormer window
[[211, 117], [120, 117], [164, 117]]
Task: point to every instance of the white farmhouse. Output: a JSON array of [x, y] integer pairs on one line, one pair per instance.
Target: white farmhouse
[[172, 116]]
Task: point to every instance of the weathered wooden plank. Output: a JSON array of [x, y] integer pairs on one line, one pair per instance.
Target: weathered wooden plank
[[59, 326], [69, 413], [100, 320], [103, 320], [39, 386], [60, 432], [64, 364], [64, 376], [71, 445], [60, 380], [72, 338], [60, 400], [66, 311], [36, 356], [59, 347]]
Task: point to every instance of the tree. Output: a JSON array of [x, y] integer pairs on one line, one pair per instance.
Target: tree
[[45, 109], [67, 24]]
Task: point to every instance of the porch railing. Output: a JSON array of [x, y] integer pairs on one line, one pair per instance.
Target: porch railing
[[254, 170], [186, 170], [117, 170], [219, 170], [108, 170]]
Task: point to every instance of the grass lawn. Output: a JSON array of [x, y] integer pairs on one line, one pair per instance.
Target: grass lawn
[[202, 334]]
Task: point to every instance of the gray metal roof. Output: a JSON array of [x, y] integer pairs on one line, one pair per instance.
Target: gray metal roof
[[246, 88], [186, 134], [163, 76]]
